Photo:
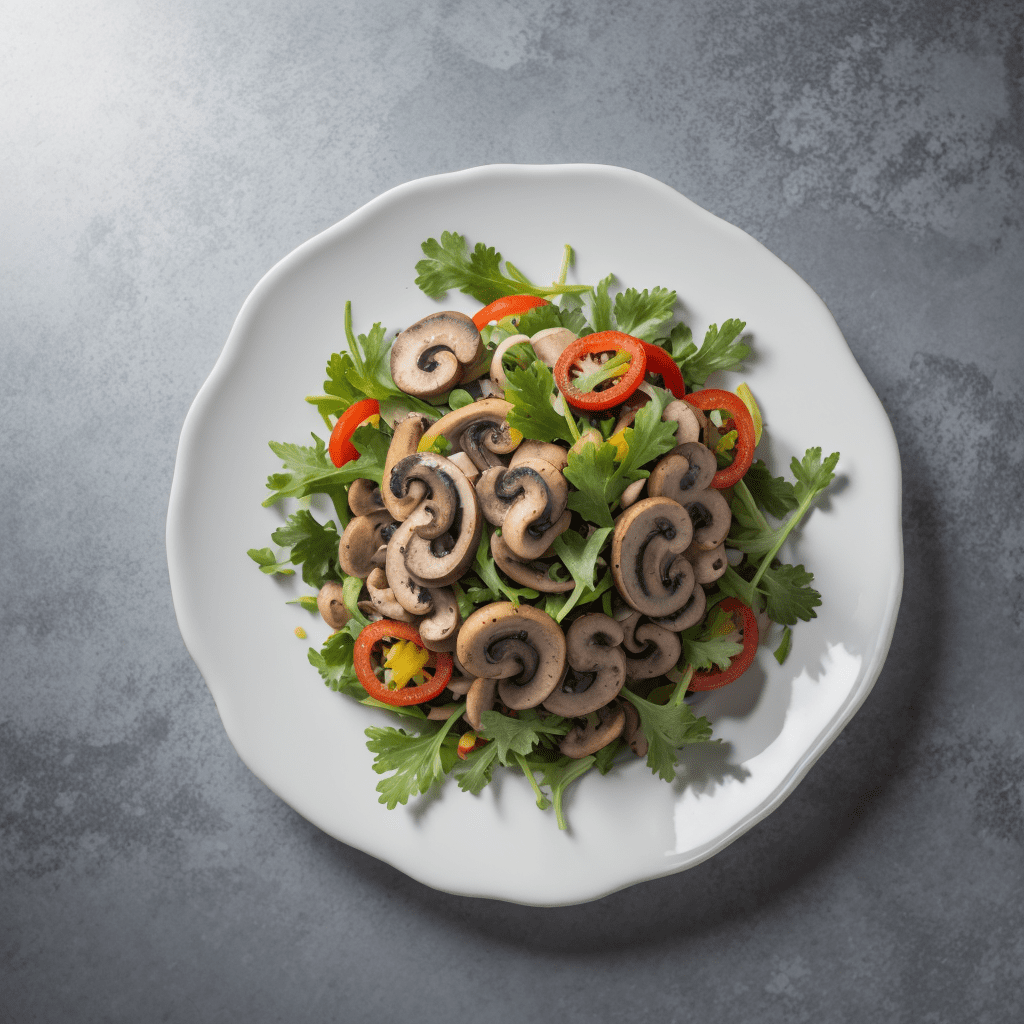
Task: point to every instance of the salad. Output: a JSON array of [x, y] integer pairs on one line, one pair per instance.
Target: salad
[[549, 531]]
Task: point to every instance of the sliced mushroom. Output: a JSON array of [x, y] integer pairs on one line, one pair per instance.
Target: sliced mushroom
[[436, 542], [690, 614], [404, 442], [364, 497], [497, 372], [597, 732], [553, 453], [480, 698], [439, 630], [331, 605], [528, 503], [524, 571], [689, 420], [632, 494], [550, 343], [479, 430], [435, 354], [520, 646], [383, 597], [596, 667], [711, 518], [465, 463], [651, 650], [708, 566], [631, 731], [647, 560], [685, 471], [364, 542]]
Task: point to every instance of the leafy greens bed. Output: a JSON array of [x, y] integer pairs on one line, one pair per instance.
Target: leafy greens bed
[[629, 579]]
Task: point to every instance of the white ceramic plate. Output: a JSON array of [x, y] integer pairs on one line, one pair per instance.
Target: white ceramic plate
[[307, 743]]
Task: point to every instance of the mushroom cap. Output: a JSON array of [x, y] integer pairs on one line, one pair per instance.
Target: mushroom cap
[[550, 343], [631, 731], [480, 698], [547, 452], [708, 566], [590, 736], [597, 667], [690, 614], [480, 430], [519, 645], [437, 542], [331, 605], [404, 442], [527, 502], [497, 372], [711, 518], [526, 573], [685, 471], [364, 497], [651, 649], [384, 600], [647, 560], [435, 353], [364, 541], [689, 420], [439, 630]]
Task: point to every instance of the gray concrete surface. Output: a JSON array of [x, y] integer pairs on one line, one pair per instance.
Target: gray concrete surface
[[156, 159]]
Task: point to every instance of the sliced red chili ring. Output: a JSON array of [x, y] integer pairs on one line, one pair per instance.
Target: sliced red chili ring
[[661, 363], [370, 638], [507, 305], [712, 679], [712, 398], [340, 447], [620, 390]]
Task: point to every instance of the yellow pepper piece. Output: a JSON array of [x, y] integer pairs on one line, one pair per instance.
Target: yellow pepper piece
[[755, 414], [300, 633], [727, 441], [406, 660], [621, 447]]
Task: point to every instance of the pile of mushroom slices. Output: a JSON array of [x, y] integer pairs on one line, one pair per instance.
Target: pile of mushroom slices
[[417, 534]]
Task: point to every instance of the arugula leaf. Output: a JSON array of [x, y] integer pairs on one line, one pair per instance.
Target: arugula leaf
[[642, 313], [580, 558], [416, 761], [719, 351], [306, 601], [310, 470], [268, 563], [530, 390], [478, 274], [667, 727], [314, 546], [679, 342]]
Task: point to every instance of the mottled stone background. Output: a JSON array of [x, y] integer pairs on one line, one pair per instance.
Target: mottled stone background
[[156, 159]]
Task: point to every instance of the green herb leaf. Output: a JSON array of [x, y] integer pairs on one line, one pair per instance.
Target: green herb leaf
[[314, 547], [788, 594], [559, 775], [497, 588], [519, 735], [641, 314], [774, 494], [530, 391], [667, 727], [782, 651], [719, 351], [268, 563], [597, 306]]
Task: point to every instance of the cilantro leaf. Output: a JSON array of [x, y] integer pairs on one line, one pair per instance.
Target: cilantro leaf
[[314, 546], [774, 494], [782, 651], [719, 351], [268, 563], [540, 318], [788, 594], [334, 661], [597, 306], [642, 313], [667, 727], [558, 775], [416, 761], [475, 772], [520, 735], [530, 390]]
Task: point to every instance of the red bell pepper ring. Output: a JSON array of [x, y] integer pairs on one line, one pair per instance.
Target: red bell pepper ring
[[661, 363], [340, 447], [370, 638], [712, 398], [604, 341], [507, 305], [712, 679]]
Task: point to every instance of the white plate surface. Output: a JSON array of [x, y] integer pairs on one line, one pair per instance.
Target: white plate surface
[[307, 743]]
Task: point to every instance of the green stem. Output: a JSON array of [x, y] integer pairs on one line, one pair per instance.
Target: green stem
[[567, 260], [614, 367], [782, 535], [542, 800], [353, 345], [568, 419], [747, 498]]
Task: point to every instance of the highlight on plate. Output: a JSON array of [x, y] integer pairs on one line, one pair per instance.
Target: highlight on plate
[[549, 531]]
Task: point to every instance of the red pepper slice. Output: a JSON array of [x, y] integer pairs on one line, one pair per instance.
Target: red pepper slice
[[340, 448], [604, 341], [712, 398], [712, 679], [370, 638], [507, 305], [661, 363]]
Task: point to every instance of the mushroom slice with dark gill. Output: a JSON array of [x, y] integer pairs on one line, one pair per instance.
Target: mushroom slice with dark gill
[[520, 646], [596, 667], [382, 596], [685, 471], [497, 375], [647, 560], [690, 614], [479, 430], [651, 650], [435, 354], [527, 573], [631, 731], [439, 629], [528, 503], [364, 542], [708, 566], [597, 731], [364, 498], [331, 605], [404, 442], [437, 541]]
